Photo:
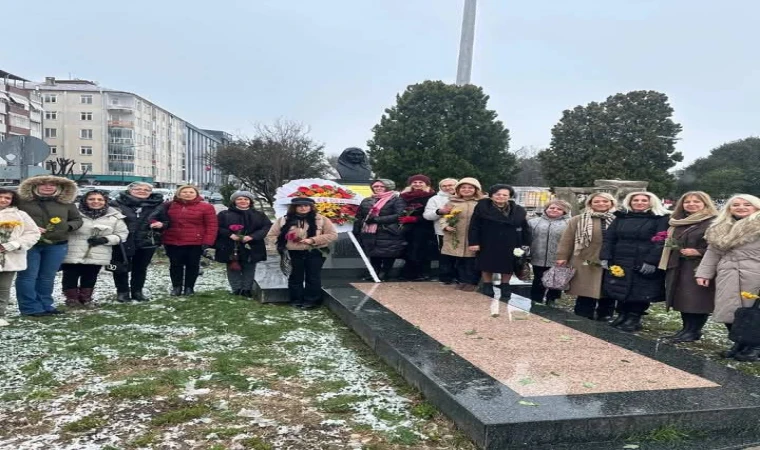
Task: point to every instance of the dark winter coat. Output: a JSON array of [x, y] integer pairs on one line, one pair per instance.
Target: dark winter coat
[[137, 212], [255, 224], [498, 234], [42, 209], [422, 243], [388, 241], [187, 222], [628, 244], [683, 292]]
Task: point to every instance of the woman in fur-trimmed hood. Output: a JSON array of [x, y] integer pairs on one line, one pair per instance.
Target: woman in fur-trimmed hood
[[49, 201], [732, 263]]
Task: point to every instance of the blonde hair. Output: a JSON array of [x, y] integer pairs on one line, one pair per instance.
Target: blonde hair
[[609, 197], [447, 179], [562, 204], [704, 197], [725, 214], [655, 204]]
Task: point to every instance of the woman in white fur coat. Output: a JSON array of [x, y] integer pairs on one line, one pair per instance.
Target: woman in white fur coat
[[91, 247], [19, 234]]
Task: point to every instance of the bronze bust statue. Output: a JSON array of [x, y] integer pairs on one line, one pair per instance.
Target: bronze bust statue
[[353, 165]]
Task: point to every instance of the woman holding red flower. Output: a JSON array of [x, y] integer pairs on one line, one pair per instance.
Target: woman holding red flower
[[422, 244], [240, 242]]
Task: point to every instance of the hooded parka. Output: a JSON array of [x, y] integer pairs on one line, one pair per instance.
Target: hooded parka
[[45, 210]]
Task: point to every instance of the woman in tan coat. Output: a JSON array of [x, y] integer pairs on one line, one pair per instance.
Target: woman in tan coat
[[302, 233], [683, 251], [732, 264], [579, 247], [455, 226]]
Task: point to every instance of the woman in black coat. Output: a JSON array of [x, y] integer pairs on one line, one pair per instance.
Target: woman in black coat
[[137, 204], [630, 254], [240, 242], [377, 228], [422, 243], [498, 226]]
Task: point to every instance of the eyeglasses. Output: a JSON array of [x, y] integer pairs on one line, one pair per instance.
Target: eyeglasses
[[142, 189]]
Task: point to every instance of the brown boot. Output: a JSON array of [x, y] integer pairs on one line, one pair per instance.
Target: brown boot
[[72, 298], [85, 297]]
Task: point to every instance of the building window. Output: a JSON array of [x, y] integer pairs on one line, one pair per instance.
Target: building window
[[85, 134], [85, 99], [50, 98], [85, 116], [51, 115], [51, 133], [85, 150], [53, 150], [85, 167]]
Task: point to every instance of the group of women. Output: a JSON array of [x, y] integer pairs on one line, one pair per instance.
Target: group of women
[[468, 231]]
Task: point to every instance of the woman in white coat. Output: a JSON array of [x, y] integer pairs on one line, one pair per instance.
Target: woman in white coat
[[18, 233], [90, 247]]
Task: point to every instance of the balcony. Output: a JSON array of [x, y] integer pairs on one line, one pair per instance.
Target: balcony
[[18, 110], [121, 123], [3, 107]]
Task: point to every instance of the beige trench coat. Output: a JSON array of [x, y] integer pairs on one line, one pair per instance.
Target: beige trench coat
[[732, 271], [467, 207], [587, 281]]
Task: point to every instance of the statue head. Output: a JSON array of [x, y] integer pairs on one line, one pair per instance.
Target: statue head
[[353, 165], [353, 155]]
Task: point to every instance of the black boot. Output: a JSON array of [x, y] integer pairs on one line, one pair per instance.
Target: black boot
[[692, 331], [631, 323], [245, 293], [123, 297], [176, 291], [188, 291], [138, 296], [748, 353], [733, 351], [486, 289], [622, 316]]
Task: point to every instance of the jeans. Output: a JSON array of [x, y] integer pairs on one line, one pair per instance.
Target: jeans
[[6, 279], [79, 276], [138, 269], [242, 280], [537, 290], [584, 307], [34, 286], [184, 264], [307, 270], [466, 269]]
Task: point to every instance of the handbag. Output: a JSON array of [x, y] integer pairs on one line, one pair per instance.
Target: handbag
[[522, 269], [746, 327], [119, 261], [558, 278]]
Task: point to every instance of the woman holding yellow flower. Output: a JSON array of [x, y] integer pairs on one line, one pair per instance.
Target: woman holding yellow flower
[[455, 226], [49, 201], [18, 233]]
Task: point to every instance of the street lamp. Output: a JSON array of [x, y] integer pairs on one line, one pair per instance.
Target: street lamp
[[467, 42]]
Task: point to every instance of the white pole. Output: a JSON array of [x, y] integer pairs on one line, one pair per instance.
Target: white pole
[[467, 42], [364, 257]]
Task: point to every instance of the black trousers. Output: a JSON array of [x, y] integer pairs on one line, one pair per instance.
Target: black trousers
[[585, 306], [633, 307], [184, 264], [305, 281], [537, 290], [466, 270], [382, 264], [79, 276], [138, 270], [447, 271]]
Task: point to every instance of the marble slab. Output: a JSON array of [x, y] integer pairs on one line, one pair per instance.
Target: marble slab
[[507, 396]]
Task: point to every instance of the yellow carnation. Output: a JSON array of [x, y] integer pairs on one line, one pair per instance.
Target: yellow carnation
[[55, 220], [617, 271], [749, 296]]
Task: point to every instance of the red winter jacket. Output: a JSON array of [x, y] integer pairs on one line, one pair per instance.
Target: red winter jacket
[[189, 222]]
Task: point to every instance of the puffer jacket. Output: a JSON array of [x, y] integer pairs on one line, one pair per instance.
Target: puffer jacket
[[110, 226], [434, 204], [137, 212], [388, 241], [191, 222], [21, 239], [44, 209], [546, 234]]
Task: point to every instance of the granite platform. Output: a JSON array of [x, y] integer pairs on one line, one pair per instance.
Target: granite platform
[[520, 376]]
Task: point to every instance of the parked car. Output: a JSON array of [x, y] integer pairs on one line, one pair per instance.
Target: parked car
[[215, 198]]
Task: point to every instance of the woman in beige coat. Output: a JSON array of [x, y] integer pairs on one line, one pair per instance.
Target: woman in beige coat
[[732, 263], [579, 247], [466, 195]]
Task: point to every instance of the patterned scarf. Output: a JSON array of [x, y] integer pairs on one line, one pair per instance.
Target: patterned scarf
[[689, 220], [585, 230], [381, 200]]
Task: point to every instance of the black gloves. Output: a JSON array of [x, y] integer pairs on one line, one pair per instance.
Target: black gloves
[[205, 247], [100, 240], [370, 219], [647, 269]]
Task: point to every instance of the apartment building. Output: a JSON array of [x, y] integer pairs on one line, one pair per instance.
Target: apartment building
[[198, 170], [20, 108], [118, 137]]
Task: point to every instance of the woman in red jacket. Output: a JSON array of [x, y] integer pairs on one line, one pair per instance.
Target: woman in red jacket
[[190, 226]]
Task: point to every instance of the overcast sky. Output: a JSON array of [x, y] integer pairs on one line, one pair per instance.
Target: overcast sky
[[335, 65]]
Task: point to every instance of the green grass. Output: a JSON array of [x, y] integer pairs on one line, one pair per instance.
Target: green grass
[[424, 410], [180, 415], [403, 436], [255, 443], [146, 439], [86, 423], [340, 403], [149, 388]]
